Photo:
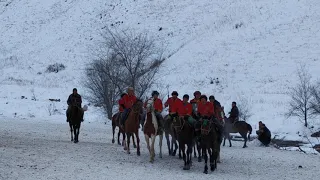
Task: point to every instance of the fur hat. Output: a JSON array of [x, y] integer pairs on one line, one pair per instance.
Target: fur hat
[[197, 93], [130, 89], [154, 93], [211, 97], [174, 93], [204, 96], [186, 96]]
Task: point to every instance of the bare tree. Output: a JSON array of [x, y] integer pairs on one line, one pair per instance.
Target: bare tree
[[299, 105], [139, 57], [315, 101], [244, 106], [101, 83], [124, 59]]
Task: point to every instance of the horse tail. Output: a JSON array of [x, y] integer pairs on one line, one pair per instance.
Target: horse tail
[[250, 130]]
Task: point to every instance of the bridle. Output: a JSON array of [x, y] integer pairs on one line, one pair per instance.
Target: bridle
[[179, 127]]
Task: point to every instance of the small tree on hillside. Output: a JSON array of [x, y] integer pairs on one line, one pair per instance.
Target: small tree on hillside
[[138, 56], [124, 59], [299, 105], [244, 106], [315, 101]]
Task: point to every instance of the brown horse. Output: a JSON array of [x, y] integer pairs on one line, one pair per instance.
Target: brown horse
[[116, 123], [185, 134], [240, 127], [131, 125], [76, 115], [210, 144], [169, 130]]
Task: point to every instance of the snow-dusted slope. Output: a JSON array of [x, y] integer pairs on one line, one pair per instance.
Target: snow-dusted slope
[[255, 61]]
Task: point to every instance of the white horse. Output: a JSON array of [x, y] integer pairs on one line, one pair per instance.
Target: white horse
[[150, 129]]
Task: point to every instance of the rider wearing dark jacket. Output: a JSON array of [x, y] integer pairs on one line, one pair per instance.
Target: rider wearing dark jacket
[[234, 114], [74, 99]]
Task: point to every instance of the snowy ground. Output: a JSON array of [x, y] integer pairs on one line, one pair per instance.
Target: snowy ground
[[41, 149]]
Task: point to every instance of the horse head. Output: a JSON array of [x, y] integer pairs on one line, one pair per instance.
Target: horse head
[[137, 106], [149, 106], [178, 123], [206, 126]]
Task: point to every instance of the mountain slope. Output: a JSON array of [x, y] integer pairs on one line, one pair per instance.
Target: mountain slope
[[252, 46]]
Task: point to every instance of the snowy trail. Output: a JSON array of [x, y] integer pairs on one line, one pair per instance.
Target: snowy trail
[[41, 150]]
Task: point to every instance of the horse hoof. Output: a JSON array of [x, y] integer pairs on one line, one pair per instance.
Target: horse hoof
[[244, 146], [134, 146], [71, 139], [128, 152], [160, 155], [119, 143], [138, 153], [174, 153], [205, 171], [112, 141], [186, 167], [230, 146]]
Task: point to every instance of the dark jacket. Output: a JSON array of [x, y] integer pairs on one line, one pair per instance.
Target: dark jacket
[[234, 114], [75, 98], [266, 132]]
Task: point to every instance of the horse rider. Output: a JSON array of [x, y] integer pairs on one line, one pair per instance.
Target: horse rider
[[218, 117], [121, 106], [74, 99], [194, 102], [173, 102], [234, 113], [217, 108], [127, 102], [158, 107], [185, 110]]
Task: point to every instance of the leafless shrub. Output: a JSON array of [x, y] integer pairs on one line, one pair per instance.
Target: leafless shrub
[[299, 105], [124, 59], [245, 108]]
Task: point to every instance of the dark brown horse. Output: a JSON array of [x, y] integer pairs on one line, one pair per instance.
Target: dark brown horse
[[185, 134], [169, 130], [131, 125], [209, 144], [240, 127], [75, 119], [116, 123]]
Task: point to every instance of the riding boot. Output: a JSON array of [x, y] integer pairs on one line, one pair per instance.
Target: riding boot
[[159, 121]]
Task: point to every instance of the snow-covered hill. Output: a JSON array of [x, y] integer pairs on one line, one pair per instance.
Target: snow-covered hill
[[252, 46]]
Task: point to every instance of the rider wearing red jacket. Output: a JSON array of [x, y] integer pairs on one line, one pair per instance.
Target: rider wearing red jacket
[[174, 102], [158, 107], [185, 108], [127, 102], [205, 108]]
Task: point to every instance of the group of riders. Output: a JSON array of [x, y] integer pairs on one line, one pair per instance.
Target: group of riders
[[197, 108]]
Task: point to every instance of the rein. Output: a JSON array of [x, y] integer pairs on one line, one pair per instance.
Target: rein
[[206, 131], [179, 128]]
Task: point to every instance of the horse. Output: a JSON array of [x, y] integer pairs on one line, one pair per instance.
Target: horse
[[169, 130], [151, 130], [131, 125], [197, 135], [209, 144], [240, 127], [75, 120], [115, 123], [185, 134]]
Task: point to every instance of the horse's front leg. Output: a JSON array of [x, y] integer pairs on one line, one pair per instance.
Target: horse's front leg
[[204, 152], [160, 145], [138, 142], [148, 144], [119, 137], [153, 138], [168, 142], [71, 131], [128, 143], [113, 131], [134, 142]]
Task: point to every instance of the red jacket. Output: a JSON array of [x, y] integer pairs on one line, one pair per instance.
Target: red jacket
[[120, 107], [157, 104], [173, 104], [128, 101], [185, 109], [206, 109]]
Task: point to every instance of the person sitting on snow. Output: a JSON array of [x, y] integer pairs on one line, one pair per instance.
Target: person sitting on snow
[[264, 134]]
